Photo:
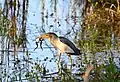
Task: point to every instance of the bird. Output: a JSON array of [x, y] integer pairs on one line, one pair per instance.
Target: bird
[[62, 44]]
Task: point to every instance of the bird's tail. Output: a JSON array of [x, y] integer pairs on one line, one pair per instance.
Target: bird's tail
[[78, 52]]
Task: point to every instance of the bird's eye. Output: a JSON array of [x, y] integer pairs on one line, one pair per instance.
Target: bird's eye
[[50, 35], [47, 34]]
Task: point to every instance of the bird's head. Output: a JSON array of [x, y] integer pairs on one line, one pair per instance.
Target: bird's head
[[49, 35]]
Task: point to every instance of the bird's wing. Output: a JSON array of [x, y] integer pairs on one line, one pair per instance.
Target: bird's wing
[[70, 44]]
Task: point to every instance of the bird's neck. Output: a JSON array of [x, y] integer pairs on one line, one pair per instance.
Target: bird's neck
[[54, 42]]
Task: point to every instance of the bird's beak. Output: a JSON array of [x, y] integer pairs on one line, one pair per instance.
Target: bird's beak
[[39, 39], [44, 36]]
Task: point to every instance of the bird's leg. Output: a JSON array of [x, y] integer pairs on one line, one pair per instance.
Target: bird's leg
[[70, 61], [59, 56]]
